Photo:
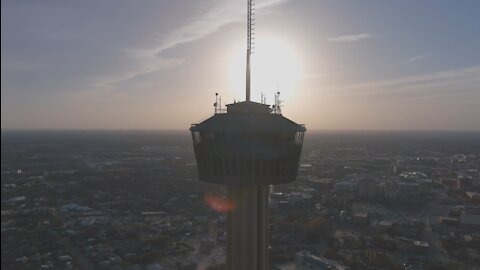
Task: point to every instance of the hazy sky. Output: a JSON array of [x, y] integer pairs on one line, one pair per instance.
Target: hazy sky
[[156, 64]]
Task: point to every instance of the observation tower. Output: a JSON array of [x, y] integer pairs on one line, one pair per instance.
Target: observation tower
[[247, 148]]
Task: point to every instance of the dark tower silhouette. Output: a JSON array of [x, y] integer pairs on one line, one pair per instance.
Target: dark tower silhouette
[[247, 148]]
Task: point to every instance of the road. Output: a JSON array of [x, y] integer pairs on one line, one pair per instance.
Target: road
[[436, 250]]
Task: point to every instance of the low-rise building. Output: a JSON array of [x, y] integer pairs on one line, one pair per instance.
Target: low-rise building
[[307, 261]]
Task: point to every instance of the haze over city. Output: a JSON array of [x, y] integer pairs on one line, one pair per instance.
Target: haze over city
[[348, 65]]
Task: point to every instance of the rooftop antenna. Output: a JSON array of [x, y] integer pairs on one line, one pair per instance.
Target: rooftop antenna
[[250, 24], [277, 108], [218, 104], [220, 110], [215, 105]]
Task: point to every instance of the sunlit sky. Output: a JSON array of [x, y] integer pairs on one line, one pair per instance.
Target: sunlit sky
[[348, 65]]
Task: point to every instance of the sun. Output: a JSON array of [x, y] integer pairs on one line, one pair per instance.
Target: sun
[[275, 67]]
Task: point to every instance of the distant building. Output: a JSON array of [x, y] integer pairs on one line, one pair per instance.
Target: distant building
[[366, 188], [307, 261], [473, 196], [448, 221], [385, 224], [346, 186], [408, 188], [360, 218], [471, 217], [391, 190], [412, 246], [451, 183]]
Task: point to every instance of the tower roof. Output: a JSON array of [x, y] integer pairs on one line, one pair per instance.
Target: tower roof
[[248, 117], [248, 107]]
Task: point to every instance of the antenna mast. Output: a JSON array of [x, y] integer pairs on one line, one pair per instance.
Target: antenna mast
[[250, 23]]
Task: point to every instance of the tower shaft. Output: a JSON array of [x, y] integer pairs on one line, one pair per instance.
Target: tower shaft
[[247, 228]]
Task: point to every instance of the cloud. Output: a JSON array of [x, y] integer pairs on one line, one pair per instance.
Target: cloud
[[350, 38], [152, 59], [415, 58], [139, 60], [461, 82], [102, 55]]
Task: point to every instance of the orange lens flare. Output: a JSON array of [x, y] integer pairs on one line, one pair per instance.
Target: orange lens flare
[[219, 204]]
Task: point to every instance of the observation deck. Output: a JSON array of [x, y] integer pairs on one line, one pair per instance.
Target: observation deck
[[250, 144]]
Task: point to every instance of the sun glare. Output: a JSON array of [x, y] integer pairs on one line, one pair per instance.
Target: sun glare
[[275, 67]]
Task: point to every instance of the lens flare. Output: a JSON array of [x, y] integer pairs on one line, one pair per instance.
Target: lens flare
[[218, 203]]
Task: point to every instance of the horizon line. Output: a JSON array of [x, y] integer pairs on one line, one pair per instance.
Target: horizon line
[[186, 130]]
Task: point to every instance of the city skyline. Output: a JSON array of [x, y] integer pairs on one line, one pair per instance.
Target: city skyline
[[351, 65]]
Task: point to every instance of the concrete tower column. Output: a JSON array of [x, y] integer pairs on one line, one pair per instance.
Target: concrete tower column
[[247, 228]]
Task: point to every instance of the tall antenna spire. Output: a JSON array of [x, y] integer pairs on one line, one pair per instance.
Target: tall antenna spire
[[250, 23]]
